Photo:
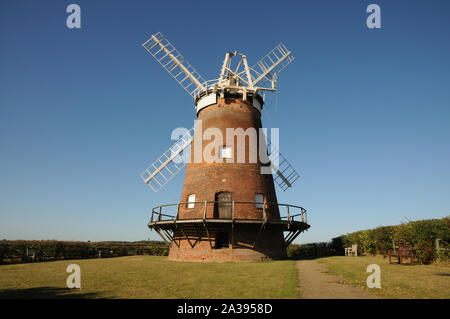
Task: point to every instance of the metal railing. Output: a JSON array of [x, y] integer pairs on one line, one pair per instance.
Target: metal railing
[[207, 85], [291, 212]]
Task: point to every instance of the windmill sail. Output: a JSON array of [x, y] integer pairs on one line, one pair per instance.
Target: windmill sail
[[174, 63], [161, 171], [271, 64], [284, 175], [247, 80]]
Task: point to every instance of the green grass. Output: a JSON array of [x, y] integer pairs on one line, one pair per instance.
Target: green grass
[[157, 277], [151, 277], [397, 281]]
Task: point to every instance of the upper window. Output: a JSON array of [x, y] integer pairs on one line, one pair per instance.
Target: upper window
[[224, 151], [259, 200], [191, 201]]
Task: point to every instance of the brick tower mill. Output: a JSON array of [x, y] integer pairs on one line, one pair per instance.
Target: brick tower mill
[[228, 209]]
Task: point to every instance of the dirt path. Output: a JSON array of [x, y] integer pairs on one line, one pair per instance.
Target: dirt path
[[316, 282]]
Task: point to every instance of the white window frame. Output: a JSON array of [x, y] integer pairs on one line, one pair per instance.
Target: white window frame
[[225, 151], [191, 201], [259, 201]]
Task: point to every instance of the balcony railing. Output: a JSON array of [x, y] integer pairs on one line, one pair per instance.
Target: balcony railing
[[170, 212]]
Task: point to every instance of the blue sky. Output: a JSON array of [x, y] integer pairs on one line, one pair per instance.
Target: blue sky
[[363, 114]]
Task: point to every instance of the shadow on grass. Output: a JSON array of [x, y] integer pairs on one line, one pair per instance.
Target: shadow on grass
[[444, 275], [45, 293]]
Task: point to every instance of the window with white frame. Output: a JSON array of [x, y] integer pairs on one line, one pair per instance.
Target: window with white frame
[[224, 151], [259, 200], [191, 201]]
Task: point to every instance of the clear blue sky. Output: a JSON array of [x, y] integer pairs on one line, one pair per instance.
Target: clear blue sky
[[363, 114]]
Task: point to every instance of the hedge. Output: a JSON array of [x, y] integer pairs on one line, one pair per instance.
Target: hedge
[[421, 234], [18, 251]]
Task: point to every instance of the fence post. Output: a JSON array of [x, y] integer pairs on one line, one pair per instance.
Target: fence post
[[204, 211], [232, 225], [288, 215], [438, 249], [232, 210]]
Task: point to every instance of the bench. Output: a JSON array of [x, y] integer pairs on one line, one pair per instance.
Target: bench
[[401, 253], [351, 251]]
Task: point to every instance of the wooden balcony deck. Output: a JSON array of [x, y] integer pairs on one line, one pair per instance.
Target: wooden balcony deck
[[166, 225]]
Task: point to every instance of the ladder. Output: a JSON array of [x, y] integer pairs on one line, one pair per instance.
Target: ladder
[[174, 63], [161, 171]]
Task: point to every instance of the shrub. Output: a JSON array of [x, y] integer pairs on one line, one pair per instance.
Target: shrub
[[421, 234], [308, 251], [47, 250]]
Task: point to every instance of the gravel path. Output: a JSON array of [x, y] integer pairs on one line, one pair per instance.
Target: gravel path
[[316, 282]]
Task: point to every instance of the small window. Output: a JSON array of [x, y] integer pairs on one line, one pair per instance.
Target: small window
[[259, 200], [191, 201], [224, 151]]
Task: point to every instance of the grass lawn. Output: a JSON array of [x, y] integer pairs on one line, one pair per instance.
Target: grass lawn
[[151, 277], [397, 281]]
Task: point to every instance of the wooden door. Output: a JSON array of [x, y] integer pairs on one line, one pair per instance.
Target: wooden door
[[223, 205]]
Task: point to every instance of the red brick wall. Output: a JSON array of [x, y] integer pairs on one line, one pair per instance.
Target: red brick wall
[[242, 180], [269, 245]]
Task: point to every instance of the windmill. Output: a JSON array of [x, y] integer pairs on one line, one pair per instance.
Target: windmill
[[228, 209]]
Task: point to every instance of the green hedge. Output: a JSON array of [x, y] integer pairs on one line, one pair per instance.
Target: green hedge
[[309, 251], [17, 251], [421, 234]]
